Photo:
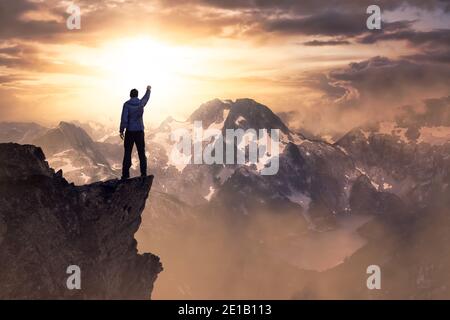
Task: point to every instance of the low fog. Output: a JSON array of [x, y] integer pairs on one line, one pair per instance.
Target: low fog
[[265, 255], [273, 255]]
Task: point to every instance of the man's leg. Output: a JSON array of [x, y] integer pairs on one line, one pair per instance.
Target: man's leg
[[140, 145], [128, 145]]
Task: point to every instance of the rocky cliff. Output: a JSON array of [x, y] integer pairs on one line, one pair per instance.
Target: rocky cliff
[[48, 224]]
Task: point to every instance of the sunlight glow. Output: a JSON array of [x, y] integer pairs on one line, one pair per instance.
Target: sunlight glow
[[141, 61]]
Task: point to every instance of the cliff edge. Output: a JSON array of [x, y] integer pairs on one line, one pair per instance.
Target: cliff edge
[[48, 225]]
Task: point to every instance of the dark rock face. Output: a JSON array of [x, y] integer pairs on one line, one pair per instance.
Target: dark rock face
[[364, 198], [47, 224]]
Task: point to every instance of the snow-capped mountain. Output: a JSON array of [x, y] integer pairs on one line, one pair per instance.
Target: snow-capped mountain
[[412, 164], [68, 147], [97, 131], [385, 173], [315, 178]]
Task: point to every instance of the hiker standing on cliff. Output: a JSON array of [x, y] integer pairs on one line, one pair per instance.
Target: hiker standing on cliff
[[131, 120]]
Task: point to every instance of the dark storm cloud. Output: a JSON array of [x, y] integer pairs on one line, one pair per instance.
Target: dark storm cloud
[[324, 83], [435, 112], [312, 18], [437, 56], [285, 17], [422, 38], [311, 6], [13, 25], [331, 23], [319, 43], [348, 28], [375, 90], [434, 46], [381, 78], [49, 21], [328, 24]]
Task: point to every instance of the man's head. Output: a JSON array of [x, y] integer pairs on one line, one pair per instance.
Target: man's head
[[134, 93]]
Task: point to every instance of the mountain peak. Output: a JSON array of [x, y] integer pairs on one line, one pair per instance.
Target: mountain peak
[[66, 124], [69, 136], [210, 112], [244, 113], [247, 113]]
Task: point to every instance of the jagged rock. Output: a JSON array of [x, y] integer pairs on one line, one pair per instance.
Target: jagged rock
[[47, 224], [362, 196], [415, 172], [70, 148], [366, 199]]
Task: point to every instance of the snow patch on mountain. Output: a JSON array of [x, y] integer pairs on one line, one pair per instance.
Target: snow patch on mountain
[[210, 194], [240, 120], [300, 198], [62, 161], [434, 135]]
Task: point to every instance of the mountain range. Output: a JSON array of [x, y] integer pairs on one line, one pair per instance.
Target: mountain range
[[384, 171]]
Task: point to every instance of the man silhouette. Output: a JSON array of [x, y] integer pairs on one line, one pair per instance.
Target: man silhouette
[[132, 121]]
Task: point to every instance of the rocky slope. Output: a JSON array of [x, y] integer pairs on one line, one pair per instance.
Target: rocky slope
[[315, 178], [48, 224], [414, 169], [69, 148]]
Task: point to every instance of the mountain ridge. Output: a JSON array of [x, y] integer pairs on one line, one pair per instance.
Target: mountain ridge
[[48, 224]]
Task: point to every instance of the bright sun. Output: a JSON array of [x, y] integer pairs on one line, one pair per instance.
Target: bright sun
[[141, 61], [176, 74]]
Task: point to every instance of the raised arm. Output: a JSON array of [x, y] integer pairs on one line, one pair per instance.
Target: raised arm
[[124, 119], [146, 96]]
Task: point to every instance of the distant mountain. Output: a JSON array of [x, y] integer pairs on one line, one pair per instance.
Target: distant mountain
[[315, 177], [68, 136], [243, 113], [20, 132], [413, 167], [409, 170], [70, 149], [97, 131], [389, 173]]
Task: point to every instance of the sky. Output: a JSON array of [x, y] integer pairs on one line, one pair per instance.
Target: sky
[[314, 62]]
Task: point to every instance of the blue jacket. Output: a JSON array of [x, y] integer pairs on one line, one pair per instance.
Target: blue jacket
[[132, 113]]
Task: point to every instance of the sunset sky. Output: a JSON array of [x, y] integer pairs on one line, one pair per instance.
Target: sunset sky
[[314, 61]]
